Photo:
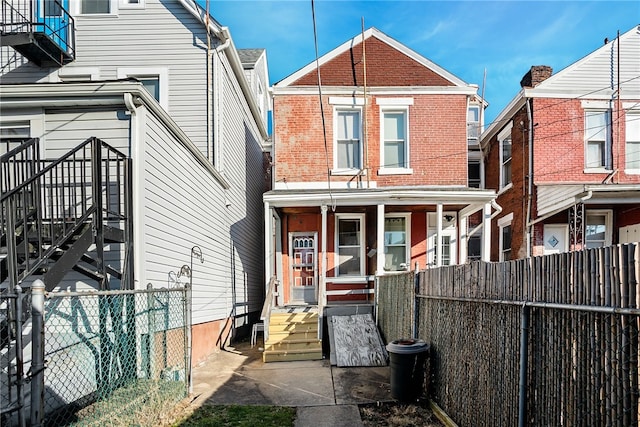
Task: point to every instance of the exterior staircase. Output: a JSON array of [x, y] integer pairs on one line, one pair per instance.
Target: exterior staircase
[[292, 335]]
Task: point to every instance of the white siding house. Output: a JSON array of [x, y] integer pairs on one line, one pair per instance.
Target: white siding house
[[193, 127]]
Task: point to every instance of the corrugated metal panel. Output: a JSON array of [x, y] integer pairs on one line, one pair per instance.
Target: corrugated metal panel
[[552, 197]]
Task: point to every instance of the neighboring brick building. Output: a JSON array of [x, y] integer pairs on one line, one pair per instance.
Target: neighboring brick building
[[366, 180], [564, 156]]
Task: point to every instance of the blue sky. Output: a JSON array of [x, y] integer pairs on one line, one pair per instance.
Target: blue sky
[[465, 37]]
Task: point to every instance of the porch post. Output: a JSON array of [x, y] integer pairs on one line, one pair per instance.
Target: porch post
[[268, 244], [380, 241], [464, 239], [439, 235], [322, 294], [486, 233]]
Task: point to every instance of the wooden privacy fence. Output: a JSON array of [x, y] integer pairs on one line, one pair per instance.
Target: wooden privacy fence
[[542, 341]]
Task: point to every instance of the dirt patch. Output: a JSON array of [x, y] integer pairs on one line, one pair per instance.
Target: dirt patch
[[394, 414]]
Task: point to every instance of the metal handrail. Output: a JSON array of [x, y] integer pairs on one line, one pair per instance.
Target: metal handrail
[[21, 16]]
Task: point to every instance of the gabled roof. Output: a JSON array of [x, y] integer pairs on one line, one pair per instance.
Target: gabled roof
[[423, 71], [595, 76], [249, 57]]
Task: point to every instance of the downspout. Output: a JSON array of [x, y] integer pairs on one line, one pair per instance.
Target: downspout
[[214, 98], [529, 226], [137, 177]]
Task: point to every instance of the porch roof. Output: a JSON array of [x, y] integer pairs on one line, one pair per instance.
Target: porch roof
[[415, 195]]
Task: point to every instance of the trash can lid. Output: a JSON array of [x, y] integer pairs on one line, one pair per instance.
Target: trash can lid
[[407, 346]]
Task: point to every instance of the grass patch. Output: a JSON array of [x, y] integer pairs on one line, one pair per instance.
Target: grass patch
[[240, 416]]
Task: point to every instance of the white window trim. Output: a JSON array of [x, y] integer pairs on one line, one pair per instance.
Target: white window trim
[[407, 217], [394, 101], [503, 222], [476, 156], [36, 126], [608, 224], [77, 9], [124, 4], [161, 72], [340, 100], [398, 108], [477, 139], [346, 171], [635, 114], [69, 73], [504, 134], [608, 146], [336, 263]]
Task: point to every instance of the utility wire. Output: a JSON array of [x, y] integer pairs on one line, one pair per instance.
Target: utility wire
[[324, 127]]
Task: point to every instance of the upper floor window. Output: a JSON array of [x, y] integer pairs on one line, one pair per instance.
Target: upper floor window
[[348, 147], [504, 224], [349, 245], [397, 234], [473, 124], [632, 138], [597, 140], [504, 139], [154, 80], [92, 7], [474, 169], [395, 143]]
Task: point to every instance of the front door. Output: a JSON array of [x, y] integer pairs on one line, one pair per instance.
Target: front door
[[449, 239], [303, 271], [556, 238]]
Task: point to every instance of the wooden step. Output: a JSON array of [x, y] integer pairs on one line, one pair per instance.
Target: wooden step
[[290, 355], [293, 327], [288, 336], [313, 345], [279, 318]]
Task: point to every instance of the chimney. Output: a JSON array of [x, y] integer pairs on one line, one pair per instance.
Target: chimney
[[536, 75]]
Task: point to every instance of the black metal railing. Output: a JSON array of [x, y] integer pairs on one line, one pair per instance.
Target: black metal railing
[[47, 17], [44, 208]]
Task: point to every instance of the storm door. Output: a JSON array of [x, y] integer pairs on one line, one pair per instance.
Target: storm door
[[303, 270]]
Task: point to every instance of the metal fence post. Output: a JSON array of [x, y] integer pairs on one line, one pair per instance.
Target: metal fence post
[[37, 353], [524, 357], [188, 337]]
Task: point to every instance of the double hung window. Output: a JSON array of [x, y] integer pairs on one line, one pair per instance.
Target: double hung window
[[396, 242], [504, 224], [349, 245], [632, 138], [348, 146], [395, 143], [505, 156], [597, 140]]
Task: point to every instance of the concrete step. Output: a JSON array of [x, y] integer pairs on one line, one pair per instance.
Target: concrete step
[[290, 355]]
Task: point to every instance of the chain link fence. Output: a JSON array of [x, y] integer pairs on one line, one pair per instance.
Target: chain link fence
[[118, 357], [546, 341]]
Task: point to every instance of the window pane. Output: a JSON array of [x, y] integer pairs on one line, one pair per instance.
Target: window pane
[[474, 250], [395, 258], [15, 130], [506, 150], [633, 155], [394, 231], [52, 8], [349, 154], [394, 154], [595, 231], [595, 154], [152, 85], [348, 125], [349, 261], [349, 232], [596, 125], [95, 6], [474, 173], [393, 126], [506, 173], [395, 248]]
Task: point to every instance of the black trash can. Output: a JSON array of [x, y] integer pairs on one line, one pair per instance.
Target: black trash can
[[408, 360]]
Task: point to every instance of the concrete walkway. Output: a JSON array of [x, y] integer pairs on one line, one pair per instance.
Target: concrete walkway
[[323, 395]]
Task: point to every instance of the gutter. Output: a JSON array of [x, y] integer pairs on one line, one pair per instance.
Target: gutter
[[224, 35], [108, 93]]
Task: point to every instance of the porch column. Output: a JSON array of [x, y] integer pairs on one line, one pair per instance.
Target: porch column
[[464, 239], [380, 241], [269, 256], [486, 233], [439, 235], [322, 291]]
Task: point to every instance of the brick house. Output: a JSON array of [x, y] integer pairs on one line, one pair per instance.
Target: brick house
[[365, 181], [564, 156]]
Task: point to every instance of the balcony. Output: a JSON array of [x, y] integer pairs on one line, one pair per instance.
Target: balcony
[[42, 31]]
